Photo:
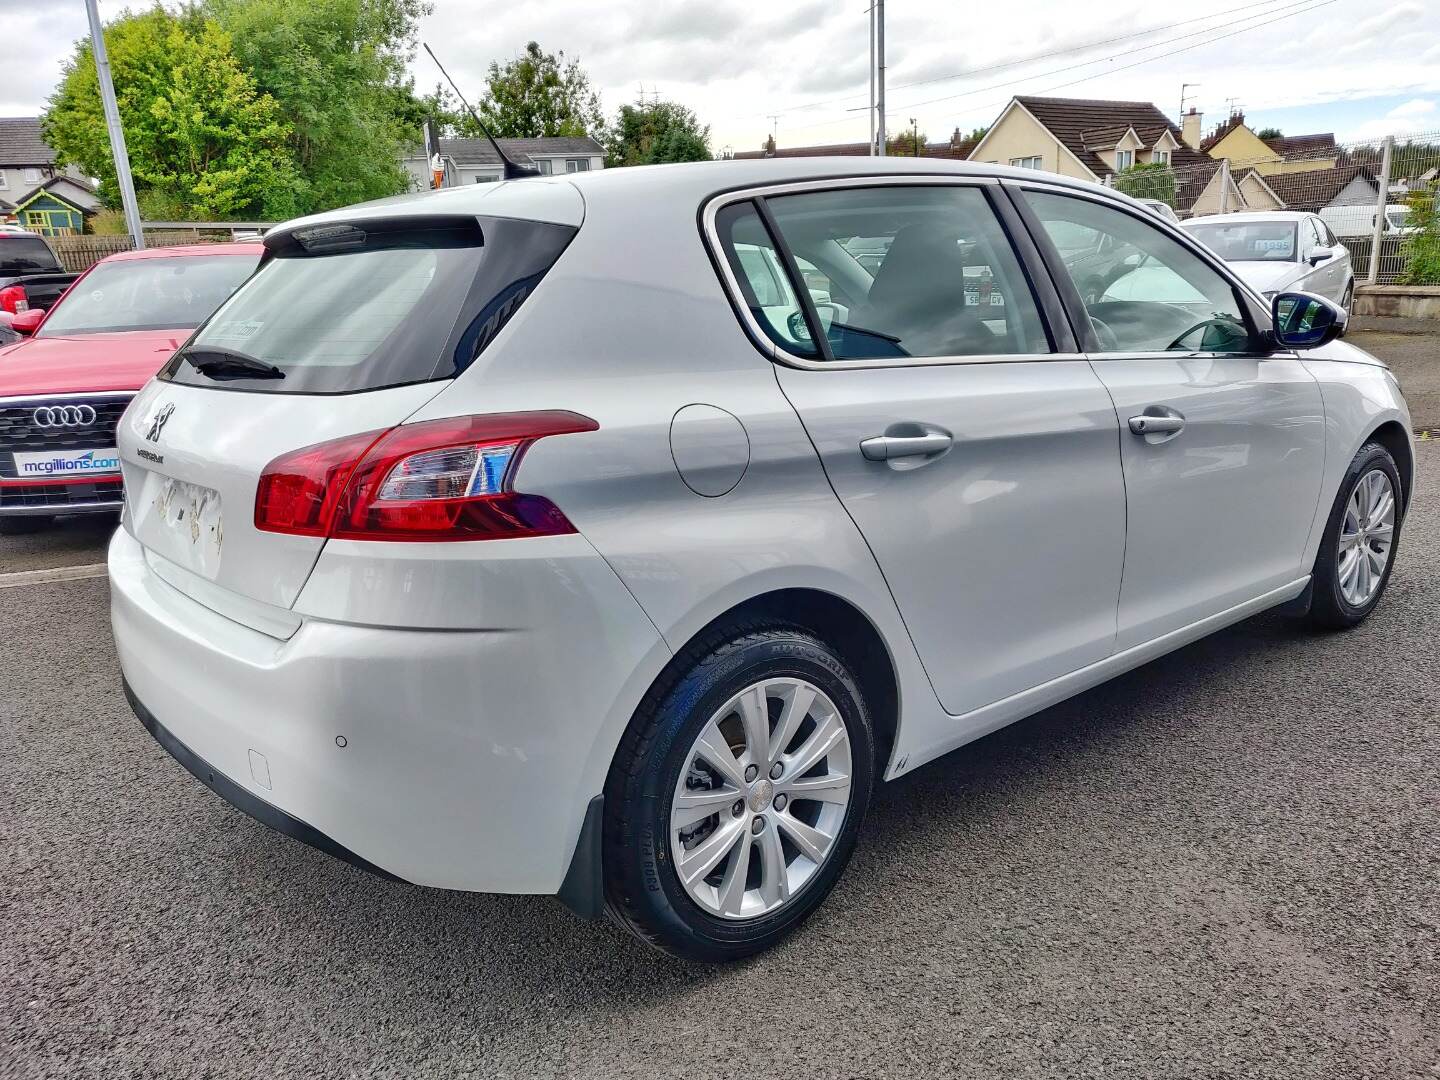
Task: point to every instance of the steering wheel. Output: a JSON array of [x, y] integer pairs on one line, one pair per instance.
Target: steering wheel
[[1225, 324], [1109, 340]]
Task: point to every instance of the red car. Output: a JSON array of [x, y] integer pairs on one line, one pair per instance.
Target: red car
[[63, 388]]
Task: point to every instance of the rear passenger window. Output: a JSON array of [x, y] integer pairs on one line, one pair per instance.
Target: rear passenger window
[[891, 272]]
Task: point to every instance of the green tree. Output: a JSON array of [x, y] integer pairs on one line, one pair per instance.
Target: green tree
[[1422, 247], [204, 142], [537, 94], [1270, 133], [976, 134], [906, 144], [655, 133], [1150, 180], [337, 70]]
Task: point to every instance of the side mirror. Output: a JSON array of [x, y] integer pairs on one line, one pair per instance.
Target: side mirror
[[1320, 254], [27, 321], [1306, 321]]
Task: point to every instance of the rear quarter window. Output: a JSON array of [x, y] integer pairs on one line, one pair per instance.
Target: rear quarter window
[[20, 254]]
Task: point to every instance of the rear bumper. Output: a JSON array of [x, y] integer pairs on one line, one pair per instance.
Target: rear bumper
[[456, 759], [236, 795]]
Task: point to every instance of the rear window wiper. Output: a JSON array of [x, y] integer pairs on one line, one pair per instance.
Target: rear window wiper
[[217, 363]]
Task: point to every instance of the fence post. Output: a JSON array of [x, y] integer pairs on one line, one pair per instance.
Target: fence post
[[1224, 185], [1372, 276]]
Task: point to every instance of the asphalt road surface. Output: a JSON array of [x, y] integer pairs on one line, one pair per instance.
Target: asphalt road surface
[[1225, 864]]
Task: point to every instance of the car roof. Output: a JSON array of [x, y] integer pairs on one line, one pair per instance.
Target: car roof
[[239, 247], [1252, 215], [564, 199]]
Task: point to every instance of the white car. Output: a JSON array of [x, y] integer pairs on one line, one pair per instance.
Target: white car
[[1280, 251], [535, 537]]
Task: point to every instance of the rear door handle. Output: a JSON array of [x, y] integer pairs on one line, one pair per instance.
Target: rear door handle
[[1167, 423], [890, 447]]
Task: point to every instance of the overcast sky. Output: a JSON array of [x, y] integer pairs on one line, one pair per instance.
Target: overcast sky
[[1360, 68]]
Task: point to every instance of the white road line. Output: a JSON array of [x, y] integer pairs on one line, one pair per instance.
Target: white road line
[[55, 573]]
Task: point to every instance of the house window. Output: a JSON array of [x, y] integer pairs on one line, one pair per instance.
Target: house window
[[486, 179], [577, 164], [4, 180], [1032, 162], [32, 176], [1161, 157], [1124, 159], [545, 165]]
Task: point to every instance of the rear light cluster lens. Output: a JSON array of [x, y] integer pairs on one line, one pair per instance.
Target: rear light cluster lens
[[14, 300], [437, 480]]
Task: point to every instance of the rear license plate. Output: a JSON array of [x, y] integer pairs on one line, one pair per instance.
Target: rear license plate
[[190, 515]]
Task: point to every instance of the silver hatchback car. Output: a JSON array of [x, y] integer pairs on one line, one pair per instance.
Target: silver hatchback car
[[612, 536]]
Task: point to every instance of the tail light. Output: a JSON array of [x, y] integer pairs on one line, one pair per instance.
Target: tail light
[[13, 299], [438, 480]]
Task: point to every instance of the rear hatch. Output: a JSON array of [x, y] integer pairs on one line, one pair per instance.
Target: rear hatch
[[348, 327], [42, 290], [26, 260]]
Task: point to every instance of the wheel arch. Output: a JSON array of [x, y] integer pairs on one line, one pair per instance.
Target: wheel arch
[[1396, 439], [839, 622]]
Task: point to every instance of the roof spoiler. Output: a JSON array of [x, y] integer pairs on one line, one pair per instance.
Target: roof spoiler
[[510, 169]]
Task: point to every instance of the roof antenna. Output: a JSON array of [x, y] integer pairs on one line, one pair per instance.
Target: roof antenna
[[510, 169]]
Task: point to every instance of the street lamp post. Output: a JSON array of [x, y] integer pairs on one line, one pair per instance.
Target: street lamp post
[[112, 121]]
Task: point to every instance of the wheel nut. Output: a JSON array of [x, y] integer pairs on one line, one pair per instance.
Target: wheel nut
[[757, 826], [738, 808], [751, 771], [776, 771], [780, 801]]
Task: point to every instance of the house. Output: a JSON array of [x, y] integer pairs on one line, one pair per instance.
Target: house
[[956, 147], [1309, 190], [1096, 140], [33, 191], [1235, 140], [58, 207], [474, 161]]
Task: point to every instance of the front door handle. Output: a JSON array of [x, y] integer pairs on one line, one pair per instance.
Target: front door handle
[[922, 444], [1168, 422]]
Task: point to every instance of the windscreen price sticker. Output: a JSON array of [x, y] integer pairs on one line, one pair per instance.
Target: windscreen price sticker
[[63, 464]]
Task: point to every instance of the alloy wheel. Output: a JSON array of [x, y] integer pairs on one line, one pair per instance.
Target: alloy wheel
[[761, 799], [1367, 534]]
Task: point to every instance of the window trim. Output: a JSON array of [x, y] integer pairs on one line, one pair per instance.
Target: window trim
[[1048, 303], [1252, 306]]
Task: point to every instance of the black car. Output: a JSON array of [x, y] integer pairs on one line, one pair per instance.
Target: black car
[[30, 274]]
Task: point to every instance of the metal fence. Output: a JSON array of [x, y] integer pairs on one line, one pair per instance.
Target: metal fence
[[1377, 197]]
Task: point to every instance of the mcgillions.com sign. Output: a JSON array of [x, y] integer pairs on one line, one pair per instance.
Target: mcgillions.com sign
[[68, 463]]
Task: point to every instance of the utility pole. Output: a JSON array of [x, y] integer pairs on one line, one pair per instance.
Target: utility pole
[[880, 76], [914, 137], [870, 11], [112, 121]]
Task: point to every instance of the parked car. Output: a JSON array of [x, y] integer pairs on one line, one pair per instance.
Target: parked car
[[30, 274], [1160, 208], [521, 539], [1359, 220], [1280, 251], [64, 386]]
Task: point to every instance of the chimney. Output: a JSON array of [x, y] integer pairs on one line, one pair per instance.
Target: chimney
[[1190, 129]]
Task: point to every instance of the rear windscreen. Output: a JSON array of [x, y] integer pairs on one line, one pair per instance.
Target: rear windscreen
[[148, 294], [362, 306], [21, 254]]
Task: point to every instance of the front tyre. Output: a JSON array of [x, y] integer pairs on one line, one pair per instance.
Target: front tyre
[[736, 795], [1357, 551]]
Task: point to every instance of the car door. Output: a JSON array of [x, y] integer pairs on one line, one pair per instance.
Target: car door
[[977, 453], [1222, 440], [1334, 271]]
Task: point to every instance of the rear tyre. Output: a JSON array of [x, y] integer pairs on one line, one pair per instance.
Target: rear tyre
[[1357, 550], [735, 797], [18, 526]]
